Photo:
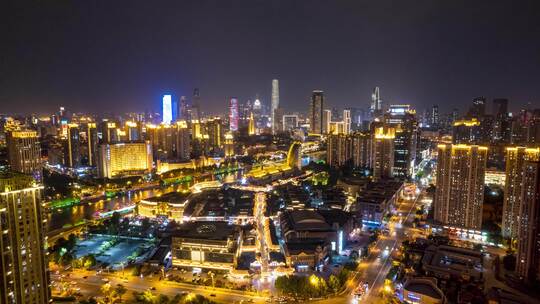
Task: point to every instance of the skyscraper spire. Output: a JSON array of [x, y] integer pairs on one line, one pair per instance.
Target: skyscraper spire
[[376, 102]]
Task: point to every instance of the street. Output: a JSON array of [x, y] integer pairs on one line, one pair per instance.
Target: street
[[373, 270]]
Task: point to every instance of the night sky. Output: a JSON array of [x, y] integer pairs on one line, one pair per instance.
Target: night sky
[[121, 56]]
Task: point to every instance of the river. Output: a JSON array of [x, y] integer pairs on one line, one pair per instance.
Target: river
[[58, 218]]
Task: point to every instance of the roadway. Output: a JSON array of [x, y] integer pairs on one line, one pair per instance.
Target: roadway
[[90, 283], [375, 267]]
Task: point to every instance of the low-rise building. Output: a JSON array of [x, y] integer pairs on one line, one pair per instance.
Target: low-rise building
[[375, 201], [170, 205], [448, 262], [206, 244], [422, 290]]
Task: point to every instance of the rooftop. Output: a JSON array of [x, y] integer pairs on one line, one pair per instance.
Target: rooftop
[[205, 230]]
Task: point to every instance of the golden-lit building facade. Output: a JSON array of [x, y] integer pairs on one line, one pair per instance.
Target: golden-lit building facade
[[382, 152], [24, 275], [24, 152], [460, 185], [528, 230], [516, 159], [125, 159]]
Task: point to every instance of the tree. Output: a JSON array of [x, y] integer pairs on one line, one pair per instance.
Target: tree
[[333, 283], [119, 291]]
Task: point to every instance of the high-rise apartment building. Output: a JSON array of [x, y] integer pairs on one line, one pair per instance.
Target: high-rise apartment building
[[460, 186], [382, 151], [24, 275], [316, 110], [124, 159], [338, 150], [514, 195], [275, 105], [435, 116], [326, 121], [528, 231], [347, 121], [183, 142], [24, 152], [478, 108]]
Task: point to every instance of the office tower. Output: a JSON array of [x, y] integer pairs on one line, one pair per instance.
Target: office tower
[[214, 132], [403, 119], [167, 109], [184, 110], [290, 122], [183, 142], [228, 145], [316, 110], [455, 115], [175, 107], [347, 121], [528, 234], [275, 104], [382, 158], [460, 186], [124, 159], [338, 150], [435, 116], [132, 131], [233, 114], [92, 142], [516, 160], [196, 105], [326, 121], [24, 152], [72, 154], [24, 274], [109, 133], [62, 113], [251, 124], [376, 103], [478, 108]]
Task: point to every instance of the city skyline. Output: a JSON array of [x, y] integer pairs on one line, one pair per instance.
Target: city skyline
[[125, 67]]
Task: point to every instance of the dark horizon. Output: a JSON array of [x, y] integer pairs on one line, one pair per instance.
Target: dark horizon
[[121, 57]]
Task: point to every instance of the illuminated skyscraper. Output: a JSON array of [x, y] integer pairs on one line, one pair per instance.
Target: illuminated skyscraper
[[184, 109], [275, 105], [347, 121], [382, 158], [460, 186], [92, 142], [24, 274], [72, 152], [183, 144], [251, 124], [376, 103], [167, 109], [514, 195], [108, 131], [290, 122], [316, 112], [403, 119], [233, 114], [196, 105], [133, 131], [528, 233], [326, 121], [228, 146], [24, 152], [435, 116]]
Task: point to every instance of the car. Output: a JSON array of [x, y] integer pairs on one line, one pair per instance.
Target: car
[[85, 277], [212, 294], [152, 288]]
